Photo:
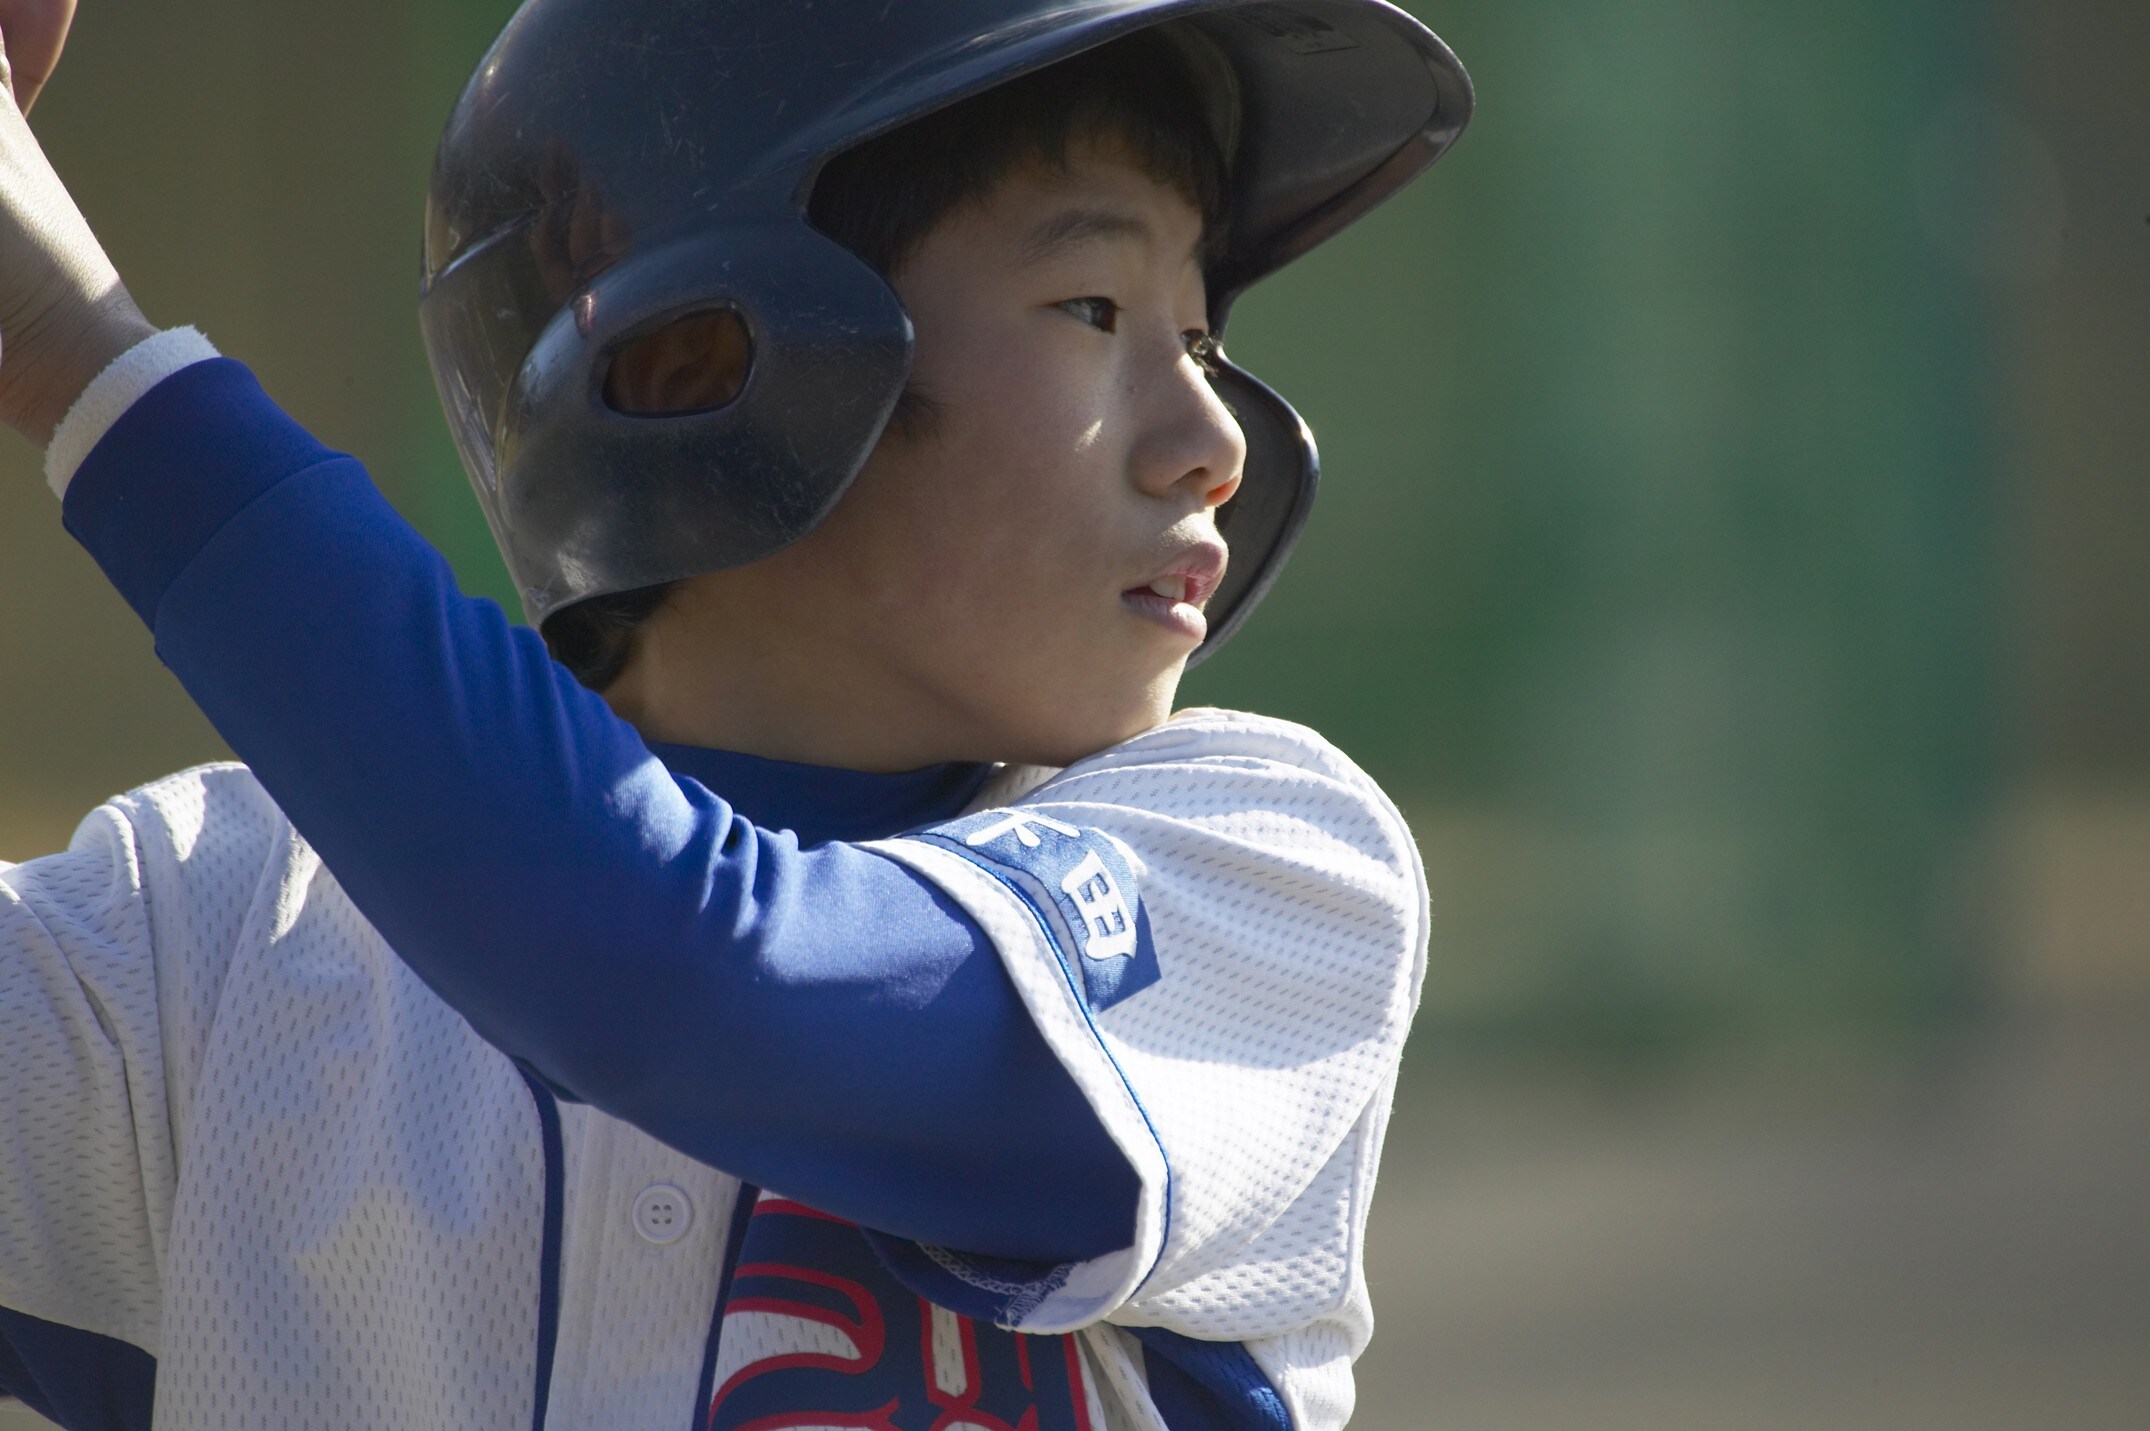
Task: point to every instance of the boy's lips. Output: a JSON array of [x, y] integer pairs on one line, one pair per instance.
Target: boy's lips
[[1175, 596]]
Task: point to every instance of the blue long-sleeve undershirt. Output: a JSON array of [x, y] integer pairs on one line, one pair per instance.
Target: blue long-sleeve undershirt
[[814, 1019]]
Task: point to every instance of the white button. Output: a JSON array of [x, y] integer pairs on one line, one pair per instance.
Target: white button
[[663, 1214]]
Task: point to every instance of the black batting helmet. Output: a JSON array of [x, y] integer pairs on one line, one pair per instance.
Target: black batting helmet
[[617, 165]]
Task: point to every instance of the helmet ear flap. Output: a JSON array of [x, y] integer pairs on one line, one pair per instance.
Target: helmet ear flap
[[626, 465], [1276, 494]]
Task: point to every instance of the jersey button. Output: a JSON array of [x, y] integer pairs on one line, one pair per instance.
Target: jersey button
[[663, 1214]]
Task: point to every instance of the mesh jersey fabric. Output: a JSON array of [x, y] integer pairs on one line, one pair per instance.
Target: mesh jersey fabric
[[246, 1139], [326, 1217]]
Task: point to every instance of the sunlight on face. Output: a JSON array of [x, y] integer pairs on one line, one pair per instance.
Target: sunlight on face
[[1021, 578]]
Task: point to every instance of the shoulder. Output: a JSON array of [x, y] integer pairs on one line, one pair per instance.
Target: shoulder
[[1242, 839], [1221, 748], [195, 817], [143, 911], [1205, 744], [1257, 822], [1209, 732], [1228, 789], [171, 867], [205, 823]]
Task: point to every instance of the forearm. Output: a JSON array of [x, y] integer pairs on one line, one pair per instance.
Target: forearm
[[64, 314]]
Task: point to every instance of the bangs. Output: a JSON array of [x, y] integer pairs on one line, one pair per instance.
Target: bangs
[[882, 198]]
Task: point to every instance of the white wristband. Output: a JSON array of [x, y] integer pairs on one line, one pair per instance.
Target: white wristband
[[120, 386]]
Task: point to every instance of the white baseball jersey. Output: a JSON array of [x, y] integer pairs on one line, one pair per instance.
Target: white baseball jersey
[[242, 1138]]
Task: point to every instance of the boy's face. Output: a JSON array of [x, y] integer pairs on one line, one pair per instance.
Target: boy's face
[[1019, 576]]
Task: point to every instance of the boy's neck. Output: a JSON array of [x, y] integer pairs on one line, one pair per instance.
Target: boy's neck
[[768, 683], [751, 662], [773, 705]]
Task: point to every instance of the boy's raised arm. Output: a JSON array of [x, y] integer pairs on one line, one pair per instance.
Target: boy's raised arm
[[624, 934]]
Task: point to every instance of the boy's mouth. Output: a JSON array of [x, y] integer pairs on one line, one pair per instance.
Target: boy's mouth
[[1175, 597]]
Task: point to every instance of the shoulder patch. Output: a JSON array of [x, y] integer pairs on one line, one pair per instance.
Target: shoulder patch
[[1080, 885]]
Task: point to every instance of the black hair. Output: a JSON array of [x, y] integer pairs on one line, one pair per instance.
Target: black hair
[[882, 198]]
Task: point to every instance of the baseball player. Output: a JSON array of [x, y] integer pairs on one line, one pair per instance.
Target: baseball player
[[817, 982]]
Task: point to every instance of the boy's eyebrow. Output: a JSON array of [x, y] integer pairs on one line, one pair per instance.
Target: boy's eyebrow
[[1072, 227]]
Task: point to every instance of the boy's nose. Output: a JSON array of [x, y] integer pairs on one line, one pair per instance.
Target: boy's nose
[[1194, 443]]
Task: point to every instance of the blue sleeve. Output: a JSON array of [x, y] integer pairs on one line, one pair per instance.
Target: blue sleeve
[[820, 1021]]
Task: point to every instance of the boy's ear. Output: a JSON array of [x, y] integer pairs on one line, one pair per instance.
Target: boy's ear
[[693, 364]]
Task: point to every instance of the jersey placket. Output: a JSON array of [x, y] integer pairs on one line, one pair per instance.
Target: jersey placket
[[641, 1264]]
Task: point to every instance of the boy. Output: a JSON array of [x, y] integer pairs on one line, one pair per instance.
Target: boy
[[899, 1019]]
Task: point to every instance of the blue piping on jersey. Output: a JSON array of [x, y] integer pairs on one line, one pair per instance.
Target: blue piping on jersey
[[548, 1337]]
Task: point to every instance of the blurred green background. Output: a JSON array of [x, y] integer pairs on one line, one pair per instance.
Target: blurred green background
[[1658, 548], [1734, 557]]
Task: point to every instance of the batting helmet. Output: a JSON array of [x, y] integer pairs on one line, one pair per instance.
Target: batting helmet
[[615, 166]]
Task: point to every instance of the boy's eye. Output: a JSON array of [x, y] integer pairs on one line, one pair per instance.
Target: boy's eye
[[1100, 313]]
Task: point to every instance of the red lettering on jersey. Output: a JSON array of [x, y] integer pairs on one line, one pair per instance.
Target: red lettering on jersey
[[816, 1335], [866, 1331]]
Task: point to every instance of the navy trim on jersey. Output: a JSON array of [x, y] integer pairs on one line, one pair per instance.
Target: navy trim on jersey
[[548, 1335], [622, 930], [819, 803], [81, 1380], [735, 1241], [1208, 1386]]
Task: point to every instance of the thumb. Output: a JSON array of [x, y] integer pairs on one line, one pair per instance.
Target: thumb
[[32, 35]]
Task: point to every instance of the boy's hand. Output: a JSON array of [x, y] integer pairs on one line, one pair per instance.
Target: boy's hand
[[64, 314]]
